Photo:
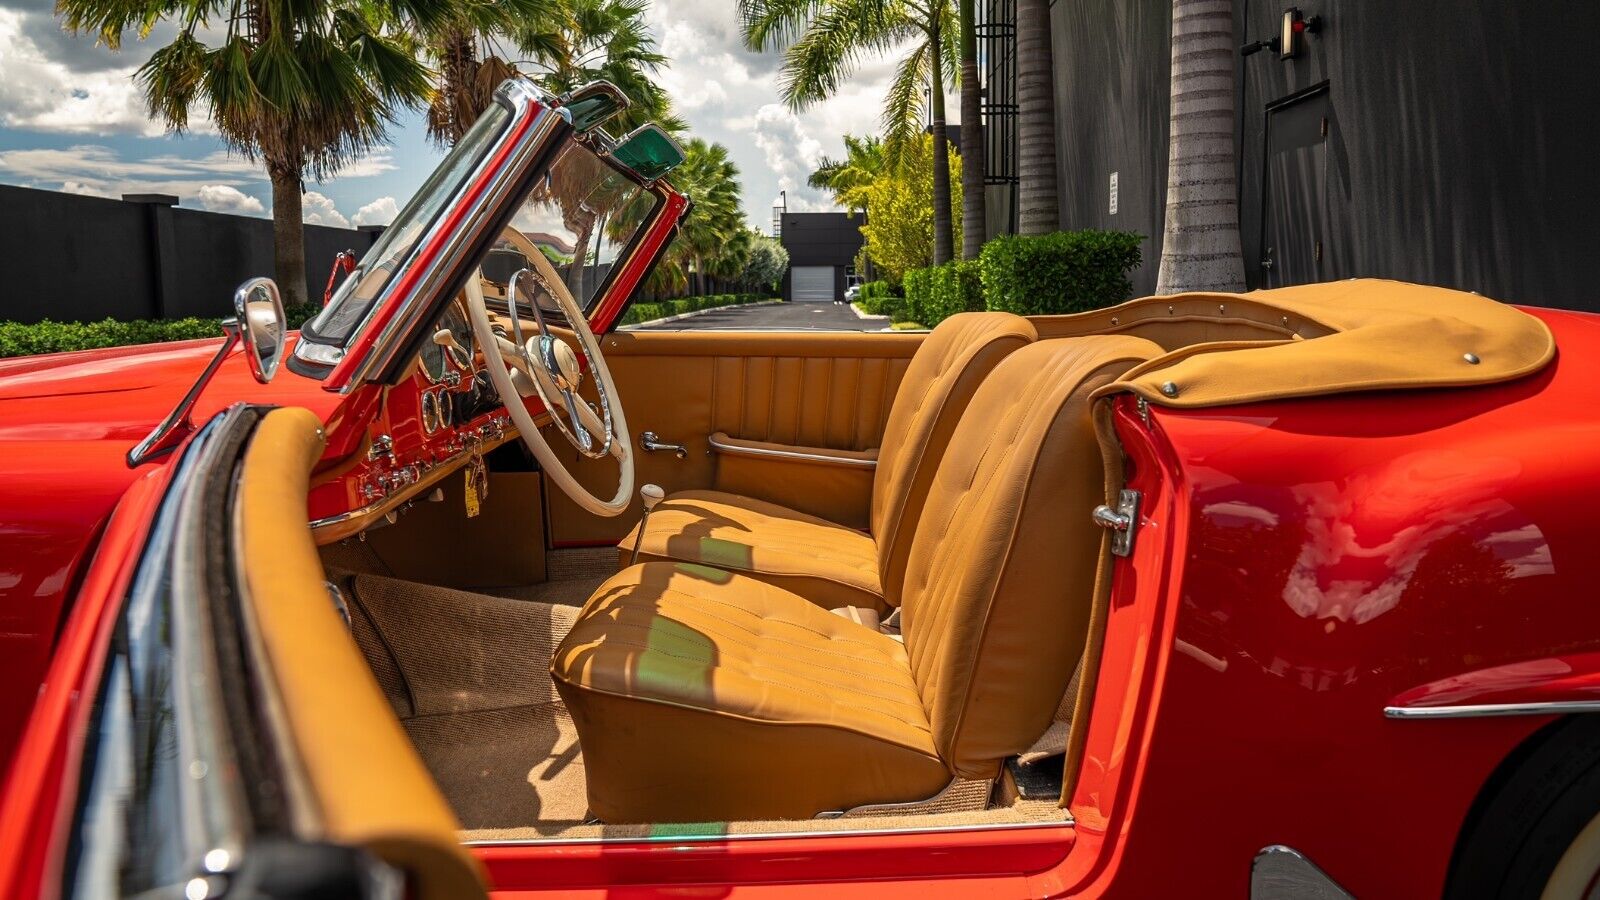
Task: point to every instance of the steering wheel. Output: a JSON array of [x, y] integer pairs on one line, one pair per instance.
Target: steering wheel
[[545, 366]]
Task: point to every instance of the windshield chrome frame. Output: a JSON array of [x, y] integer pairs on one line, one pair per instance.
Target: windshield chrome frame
[[385, 331]]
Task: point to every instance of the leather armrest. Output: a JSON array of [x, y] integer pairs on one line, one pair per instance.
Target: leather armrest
[[823, 456]]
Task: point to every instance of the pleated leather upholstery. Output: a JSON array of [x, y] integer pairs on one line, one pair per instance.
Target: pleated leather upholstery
[[705, 694], [934, 392], [997, 596]]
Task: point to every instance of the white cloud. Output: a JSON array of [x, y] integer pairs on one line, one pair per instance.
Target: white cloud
[[226, 199], [87, 190], [319, 210], [57, 82], [381, 211], [375, 163], [103, 171]]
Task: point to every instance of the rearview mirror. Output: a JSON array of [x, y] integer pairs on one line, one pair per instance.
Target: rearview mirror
[[593, 103], [649, 152], [258, 308]]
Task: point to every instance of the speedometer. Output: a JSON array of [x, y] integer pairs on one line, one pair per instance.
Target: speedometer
[[439, 360]]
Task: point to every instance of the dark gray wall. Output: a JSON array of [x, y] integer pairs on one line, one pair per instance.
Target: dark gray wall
[[75, 258], [821, 239], [1459, 146]]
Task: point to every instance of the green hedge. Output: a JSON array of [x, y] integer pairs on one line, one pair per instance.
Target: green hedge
[[878, 298], [1064, 272], [17, 339], [954, 287], [640, 313]]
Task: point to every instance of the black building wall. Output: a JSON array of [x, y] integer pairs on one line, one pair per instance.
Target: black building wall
[[821, 239], [74, 258], [1457, 149]]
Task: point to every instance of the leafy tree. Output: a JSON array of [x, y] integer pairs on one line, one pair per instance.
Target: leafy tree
[[303, 87], [595, 40], [765, 264], [900, 229], [822, 41], [469, 64]]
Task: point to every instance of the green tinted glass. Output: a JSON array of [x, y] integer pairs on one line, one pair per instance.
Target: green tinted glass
[[649, 152]]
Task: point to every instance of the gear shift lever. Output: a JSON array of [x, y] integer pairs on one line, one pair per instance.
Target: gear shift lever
[[650, 495]]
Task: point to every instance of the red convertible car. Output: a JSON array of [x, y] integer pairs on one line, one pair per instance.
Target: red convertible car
[[1280, 594]]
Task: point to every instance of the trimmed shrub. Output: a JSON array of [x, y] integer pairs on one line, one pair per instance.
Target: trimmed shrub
[[1064, 272], [639, 313], [919, 288], [878, 298], [954, 287], [17, 339]]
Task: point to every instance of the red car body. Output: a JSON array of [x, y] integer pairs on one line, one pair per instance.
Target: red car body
[[1308, 575]]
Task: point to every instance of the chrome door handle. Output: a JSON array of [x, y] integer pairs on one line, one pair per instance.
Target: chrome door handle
[[651, 442]]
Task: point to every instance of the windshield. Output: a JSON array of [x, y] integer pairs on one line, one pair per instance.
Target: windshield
[[394, 250], [583, 215]]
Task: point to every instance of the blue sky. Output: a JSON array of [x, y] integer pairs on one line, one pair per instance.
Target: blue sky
[[71, 119]]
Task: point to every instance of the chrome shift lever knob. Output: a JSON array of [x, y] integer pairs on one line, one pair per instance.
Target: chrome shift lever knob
[[649, 495]]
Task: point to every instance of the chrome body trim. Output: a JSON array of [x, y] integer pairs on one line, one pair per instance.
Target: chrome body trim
[[519, 96], [1481, 710], [1066, 822], [796, 455]]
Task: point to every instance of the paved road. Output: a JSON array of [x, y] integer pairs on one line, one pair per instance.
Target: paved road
[[790, 316]]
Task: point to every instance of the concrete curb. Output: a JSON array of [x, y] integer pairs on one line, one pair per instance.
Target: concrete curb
[[860, 314], [697, 312]]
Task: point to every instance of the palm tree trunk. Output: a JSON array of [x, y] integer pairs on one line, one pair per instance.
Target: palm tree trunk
[[1038, 209], [974, 216], [1200, 245], [943, 228], [288, 233]]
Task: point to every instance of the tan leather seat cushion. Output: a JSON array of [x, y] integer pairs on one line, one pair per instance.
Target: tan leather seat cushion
[[823, 561], [704, 695], [828, 564]]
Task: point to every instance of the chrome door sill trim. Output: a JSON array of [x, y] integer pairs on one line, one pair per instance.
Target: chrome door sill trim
[[1065, 822], [798, 456], [1550, 708]]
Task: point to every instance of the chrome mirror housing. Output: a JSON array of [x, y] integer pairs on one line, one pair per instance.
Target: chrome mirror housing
[[258, 309]]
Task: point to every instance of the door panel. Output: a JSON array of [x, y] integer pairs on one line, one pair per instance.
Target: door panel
[[829, 390]]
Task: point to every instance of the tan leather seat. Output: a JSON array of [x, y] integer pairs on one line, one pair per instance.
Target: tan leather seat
[[705, 695], [828, 563]]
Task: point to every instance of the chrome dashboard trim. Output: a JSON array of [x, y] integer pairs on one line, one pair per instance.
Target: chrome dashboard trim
[[1481, 710], [519, 96], [796, 455]]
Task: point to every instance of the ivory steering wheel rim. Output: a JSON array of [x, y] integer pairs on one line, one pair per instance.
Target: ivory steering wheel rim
[[536, 380]]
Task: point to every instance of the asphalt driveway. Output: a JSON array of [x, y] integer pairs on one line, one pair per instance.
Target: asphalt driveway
[[788, 316]]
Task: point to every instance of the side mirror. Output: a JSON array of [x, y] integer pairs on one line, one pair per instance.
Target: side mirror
[[258, 309], [649, 152]]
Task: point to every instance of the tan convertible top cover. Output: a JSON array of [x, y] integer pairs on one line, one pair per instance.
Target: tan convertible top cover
[[1315, 339]]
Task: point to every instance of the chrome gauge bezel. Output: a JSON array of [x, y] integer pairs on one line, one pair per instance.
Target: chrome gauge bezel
[[432, 412], [455, 370]]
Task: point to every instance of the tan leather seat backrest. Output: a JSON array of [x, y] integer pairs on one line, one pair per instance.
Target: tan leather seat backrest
[[1000, 578], [946, 371]]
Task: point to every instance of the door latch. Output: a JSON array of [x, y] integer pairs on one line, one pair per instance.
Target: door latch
[[651, 442], [1122, 522]]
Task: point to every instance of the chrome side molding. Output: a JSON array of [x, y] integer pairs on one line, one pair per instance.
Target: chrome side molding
[[1479, 710], [1284, 873]]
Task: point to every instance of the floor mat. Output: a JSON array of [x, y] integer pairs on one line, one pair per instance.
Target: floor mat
[[505, 768]]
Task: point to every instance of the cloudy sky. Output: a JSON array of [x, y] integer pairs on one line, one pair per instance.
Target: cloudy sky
[[71, 119]]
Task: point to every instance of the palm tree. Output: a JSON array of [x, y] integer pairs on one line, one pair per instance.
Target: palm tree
[[567, 44], [823, 40], [973, 214], [848, 179], [303, 87], [1038, 209], [1200, 245], [709, 178], [469, 64]]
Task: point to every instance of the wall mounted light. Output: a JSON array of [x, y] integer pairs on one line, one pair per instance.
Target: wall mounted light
[[1291, 36]]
